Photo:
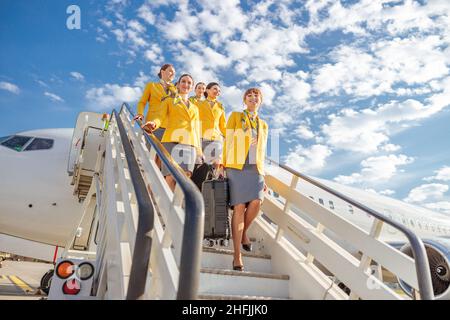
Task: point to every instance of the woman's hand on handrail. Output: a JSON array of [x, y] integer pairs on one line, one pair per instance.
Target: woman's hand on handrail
[[149, 126]]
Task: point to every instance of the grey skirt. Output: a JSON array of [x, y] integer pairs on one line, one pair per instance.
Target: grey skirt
[[183, 154], [212, 150], [245, 185]]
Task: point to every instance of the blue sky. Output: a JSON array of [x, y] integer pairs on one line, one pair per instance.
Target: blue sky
[[358, 91]]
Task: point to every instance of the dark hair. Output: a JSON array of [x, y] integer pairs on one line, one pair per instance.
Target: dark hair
[[182, 76], [253, 90], [209, 86], [199, 84], [164, 67]]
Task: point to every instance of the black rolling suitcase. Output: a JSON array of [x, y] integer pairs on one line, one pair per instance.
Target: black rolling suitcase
[[217, 224], [200, 173]]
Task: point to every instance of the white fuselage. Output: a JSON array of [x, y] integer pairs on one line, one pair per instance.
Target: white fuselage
[[36, 198]]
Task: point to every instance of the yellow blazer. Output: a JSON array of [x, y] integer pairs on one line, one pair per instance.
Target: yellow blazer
[[212, 119], [238, 139], [183, 124], [153, 93]]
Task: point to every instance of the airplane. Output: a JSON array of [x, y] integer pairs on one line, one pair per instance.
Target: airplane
[[39, 210]]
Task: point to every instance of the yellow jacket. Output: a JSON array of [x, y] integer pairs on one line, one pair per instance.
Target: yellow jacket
[[238, 139], [212, 119], [183, 124], [153, 93]]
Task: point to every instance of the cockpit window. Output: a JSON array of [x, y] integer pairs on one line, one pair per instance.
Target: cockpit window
[[3, 138], [16, 142], [40, 144]]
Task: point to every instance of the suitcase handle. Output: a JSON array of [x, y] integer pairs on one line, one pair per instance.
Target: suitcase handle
[[212, 175]]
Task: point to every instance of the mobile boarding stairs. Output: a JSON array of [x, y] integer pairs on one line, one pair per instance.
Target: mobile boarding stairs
[[146, 242]]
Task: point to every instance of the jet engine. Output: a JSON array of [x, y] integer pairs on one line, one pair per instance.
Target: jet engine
[[438, 253]]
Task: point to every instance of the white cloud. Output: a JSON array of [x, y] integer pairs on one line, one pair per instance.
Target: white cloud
[[135, 38], [442, 174], [368, 16], [194, 63], [215, 58], [441, 206], [9, 87], [232, 98], [42, 83], [145, 13], [376, 170], [107, 23], [111, 96], [376, 70], [426, 192], [268, 94], [295, 89], [366, 130], [53, 97], [183, 26], [77, 76], [308, 160], [136, 26], [154, 54], [440, 100], [224, 18], [120, 35], [280, 120], [304, 132], [390, 147], [153, 4], [237, 49], [387, 192], [142, 80]]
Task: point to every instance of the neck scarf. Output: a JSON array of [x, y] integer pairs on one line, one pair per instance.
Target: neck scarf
[[211, 102], [169, 88], [252, 117]]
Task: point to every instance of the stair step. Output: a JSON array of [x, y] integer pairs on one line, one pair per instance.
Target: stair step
[[230, 252], [214, 258], [245, 273], [243, 283], [233, 297]]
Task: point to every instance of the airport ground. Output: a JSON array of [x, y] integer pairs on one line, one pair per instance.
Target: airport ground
[[20, 280]]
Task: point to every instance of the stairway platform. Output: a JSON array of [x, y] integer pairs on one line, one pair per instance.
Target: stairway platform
[[230, 252], [234, 297], [245, 274]]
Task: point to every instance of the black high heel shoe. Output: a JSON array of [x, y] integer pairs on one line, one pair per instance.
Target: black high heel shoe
[[247, 247], [238, 268]]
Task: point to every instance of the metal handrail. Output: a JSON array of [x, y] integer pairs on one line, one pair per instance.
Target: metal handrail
[[146, 212], [190, 261], [417, 246]]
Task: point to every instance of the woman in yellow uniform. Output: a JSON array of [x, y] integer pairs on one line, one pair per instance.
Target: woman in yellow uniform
[[244, 154], [199, 90], [182, 135], [213, 124], [153, 93]]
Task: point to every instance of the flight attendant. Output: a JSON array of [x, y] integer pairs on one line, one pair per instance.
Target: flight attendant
[[182, 135], [213, 124], [243, 157], [199, 90], [153, 93]]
